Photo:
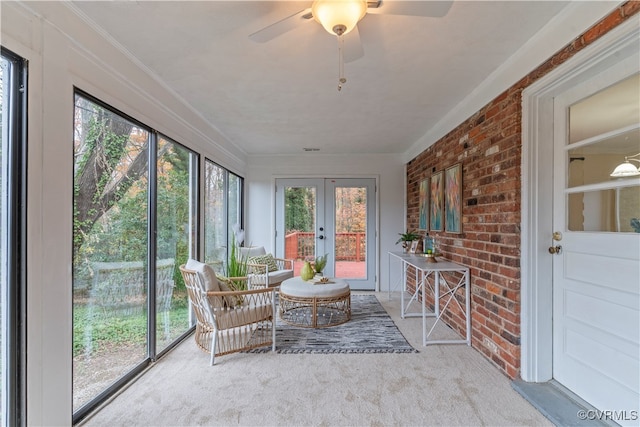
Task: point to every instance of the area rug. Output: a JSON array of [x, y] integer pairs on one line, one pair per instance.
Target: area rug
[[370, 330]]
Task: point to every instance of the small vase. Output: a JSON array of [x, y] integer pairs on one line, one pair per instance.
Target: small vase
[[307, 272]]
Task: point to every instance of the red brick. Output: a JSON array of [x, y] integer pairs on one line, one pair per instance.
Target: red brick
[[491, 227]]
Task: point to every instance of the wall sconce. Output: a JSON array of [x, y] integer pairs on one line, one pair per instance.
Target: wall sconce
[[626, 169]]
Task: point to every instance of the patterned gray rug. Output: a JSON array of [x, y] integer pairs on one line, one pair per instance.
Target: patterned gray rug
[[370, 330]]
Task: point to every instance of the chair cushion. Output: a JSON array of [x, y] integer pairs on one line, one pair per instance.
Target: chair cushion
[[206, 273], [244, 315], [278, 276], [267, 260], [252, 251]]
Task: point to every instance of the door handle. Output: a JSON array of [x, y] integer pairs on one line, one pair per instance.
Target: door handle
[[555, 250], [321, 237]]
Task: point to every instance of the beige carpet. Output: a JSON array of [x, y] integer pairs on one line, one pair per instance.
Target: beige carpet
[[441, 385]]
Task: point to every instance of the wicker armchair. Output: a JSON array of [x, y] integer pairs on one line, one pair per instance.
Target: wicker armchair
[[228, 321], [262, 274]]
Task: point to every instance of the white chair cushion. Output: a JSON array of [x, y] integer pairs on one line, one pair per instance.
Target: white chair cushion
[[279, 275], [240, 316], [206, 273]]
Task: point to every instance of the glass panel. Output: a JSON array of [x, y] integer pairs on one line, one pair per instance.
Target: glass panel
[[604, 129], [615, 107], [215, 217], [351, 232], [235, 206], [110, 245], [300, 225], [605, 210], [175, 207], [593, 163]]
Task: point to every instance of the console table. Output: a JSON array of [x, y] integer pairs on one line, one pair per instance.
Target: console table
[[430, 274]]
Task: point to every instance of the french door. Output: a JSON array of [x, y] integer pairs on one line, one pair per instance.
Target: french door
[[317, 216], [596, 245]]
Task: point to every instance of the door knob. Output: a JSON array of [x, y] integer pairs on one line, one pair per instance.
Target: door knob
[[555, 249], [320, 237]]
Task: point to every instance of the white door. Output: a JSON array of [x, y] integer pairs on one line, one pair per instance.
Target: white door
[[596, 267], [317, 216]]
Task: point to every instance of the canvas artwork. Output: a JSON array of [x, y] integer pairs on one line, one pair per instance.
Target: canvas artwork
[[436, 201], [423, 213], [453, 199]]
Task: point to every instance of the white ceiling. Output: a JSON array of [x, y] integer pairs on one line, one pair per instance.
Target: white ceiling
[[281, 96]]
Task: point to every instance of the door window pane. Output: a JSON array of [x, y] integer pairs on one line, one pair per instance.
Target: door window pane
[[176, 208], [604, 130], [351, 232], [110, 247], [300, 225]]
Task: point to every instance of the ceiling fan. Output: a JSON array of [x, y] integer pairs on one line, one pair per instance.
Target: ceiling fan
[[341, 17]]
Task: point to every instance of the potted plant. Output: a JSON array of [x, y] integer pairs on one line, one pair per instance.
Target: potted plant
[[320, 264], [407, 238], [237, 268]]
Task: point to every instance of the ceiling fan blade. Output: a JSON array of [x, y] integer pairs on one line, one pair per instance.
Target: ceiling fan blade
[[353, 46], [284, 25], [435, 9]]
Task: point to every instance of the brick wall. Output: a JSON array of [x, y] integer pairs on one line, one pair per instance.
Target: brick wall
[[489, 146]]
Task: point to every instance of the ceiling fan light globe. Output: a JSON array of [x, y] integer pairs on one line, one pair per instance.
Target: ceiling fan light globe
[[338, 14]]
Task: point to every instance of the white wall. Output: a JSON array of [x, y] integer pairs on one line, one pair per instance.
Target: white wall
[[389, 169], [64, 52]]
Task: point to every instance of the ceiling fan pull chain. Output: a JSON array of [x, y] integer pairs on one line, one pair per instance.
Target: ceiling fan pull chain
[[341, 79]]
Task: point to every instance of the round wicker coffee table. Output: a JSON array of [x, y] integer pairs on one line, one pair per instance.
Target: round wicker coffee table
[[314, 305]]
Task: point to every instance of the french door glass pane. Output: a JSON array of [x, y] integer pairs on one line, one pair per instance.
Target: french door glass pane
[[351, 232], [215, 216], [110, 245], [300, 225], [175, 226]]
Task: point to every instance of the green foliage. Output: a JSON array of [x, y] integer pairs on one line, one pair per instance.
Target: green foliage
[[100, 334], [409, 236], [299, 206], [237, 266], [320, 263]]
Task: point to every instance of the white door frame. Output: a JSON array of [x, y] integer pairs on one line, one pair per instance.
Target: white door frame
[[537, 185], [375, 232]]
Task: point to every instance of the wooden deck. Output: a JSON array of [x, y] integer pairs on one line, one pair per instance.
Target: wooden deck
[[344, 269]]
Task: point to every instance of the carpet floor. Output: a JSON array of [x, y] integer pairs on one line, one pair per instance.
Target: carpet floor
[[370, 330], [441, 385]]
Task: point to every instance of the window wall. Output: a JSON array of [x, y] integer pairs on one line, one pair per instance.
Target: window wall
[[12, 238], [223, 213], [176, 231], [129, 301]]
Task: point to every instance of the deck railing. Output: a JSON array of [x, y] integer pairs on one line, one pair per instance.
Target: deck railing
[[349, 246]]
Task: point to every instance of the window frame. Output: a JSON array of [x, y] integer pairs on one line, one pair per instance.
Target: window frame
[[14, 394]]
